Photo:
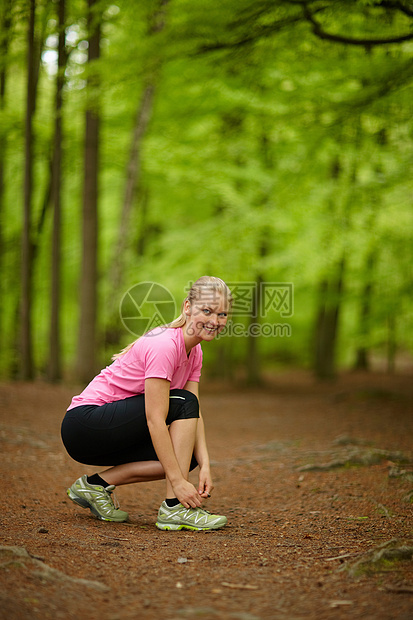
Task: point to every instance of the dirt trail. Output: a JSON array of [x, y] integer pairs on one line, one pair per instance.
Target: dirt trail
[[292, 530]]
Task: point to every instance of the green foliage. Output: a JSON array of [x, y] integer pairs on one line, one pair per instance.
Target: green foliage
[[271, 153]]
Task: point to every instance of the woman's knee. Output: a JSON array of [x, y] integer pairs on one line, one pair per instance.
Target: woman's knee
[[182, 405], [190, 397]]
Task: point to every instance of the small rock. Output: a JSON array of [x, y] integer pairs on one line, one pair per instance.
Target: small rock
[[43, 530]]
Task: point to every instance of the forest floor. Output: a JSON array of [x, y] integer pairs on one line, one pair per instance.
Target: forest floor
[[294, 529]]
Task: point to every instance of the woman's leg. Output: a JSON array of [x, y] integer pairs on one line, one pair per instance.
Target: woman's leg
[[118, 434], [129, 473], [182, 434]]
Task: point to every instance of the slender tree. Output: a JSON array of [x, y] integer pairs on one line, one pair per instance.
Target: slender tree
[[253, 358], [330, 300], [5, 24], [54, 370], [366, 301], [391, 341], [328, 311], [133, 175], [27, 369], [86, 352], [133, 172]]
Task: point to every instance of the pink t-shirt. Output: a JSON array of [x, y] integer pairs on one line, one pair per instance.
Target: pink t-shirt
[[158, 354]]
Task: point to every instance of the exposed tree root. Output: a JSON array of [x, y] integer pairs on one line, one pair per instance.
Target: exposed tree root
[[370, 456], [18, 557], [382, 557], [404, 474], [399, 589]]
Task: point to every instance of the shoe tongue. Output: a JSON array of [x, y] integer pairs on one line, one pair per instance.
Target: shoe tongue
[[110, 488]]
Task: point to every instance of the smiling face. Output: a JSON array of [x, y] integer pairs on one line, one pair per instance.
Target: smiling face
[[207, 316]]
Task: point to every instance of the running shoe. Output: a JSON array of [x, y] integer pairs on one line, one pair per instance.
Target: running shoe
[[181, 518], [97, 498]]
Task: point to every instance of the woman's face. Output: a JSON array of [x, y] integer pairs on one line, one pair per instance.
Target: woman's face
[[206, 316]]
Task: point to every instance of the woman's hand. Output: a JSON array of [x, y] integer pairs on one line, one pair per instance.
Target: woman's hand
[[205, 485], [187, 494]]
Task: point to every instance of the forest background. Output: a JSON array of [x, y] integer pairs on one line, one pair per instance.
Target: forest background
[[268, 142]]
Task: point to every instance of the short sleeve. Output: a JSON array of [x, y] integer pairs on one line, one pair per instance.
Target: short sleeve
[[159, 357]]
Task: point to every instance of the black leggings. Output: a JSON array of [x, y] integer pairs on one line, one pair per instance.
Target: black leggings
[[117, 432]]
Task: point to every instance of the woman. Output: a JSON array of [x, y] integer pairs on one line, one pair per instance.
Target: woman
[[141, 416]]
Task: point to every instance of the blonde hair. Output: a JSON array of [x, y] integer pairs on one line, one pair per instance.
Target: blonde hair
[[206, 287]]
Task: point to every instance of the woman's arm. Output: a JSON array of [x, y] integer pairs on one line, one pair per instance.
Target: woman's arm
[[201, 450], [156, 406]]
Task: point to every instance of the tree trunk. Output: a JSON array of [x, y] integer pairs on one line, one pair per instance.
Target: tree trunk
[[27, 370], [391, 343], [142, 234], [362, 354], [142, 118], [88, 283], [330, 293], [327, 324], [5, 25], [54, 369], [156, 23], [253, 361]]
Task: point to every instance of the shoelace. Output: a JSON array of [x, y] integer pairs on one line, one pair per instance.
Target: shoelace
[[112, 498], [203, 510], [115, 502]]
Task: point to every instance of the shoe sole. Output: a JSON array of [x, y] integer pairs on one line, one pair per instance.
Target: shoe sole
[[175, 527], [80, 501]]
